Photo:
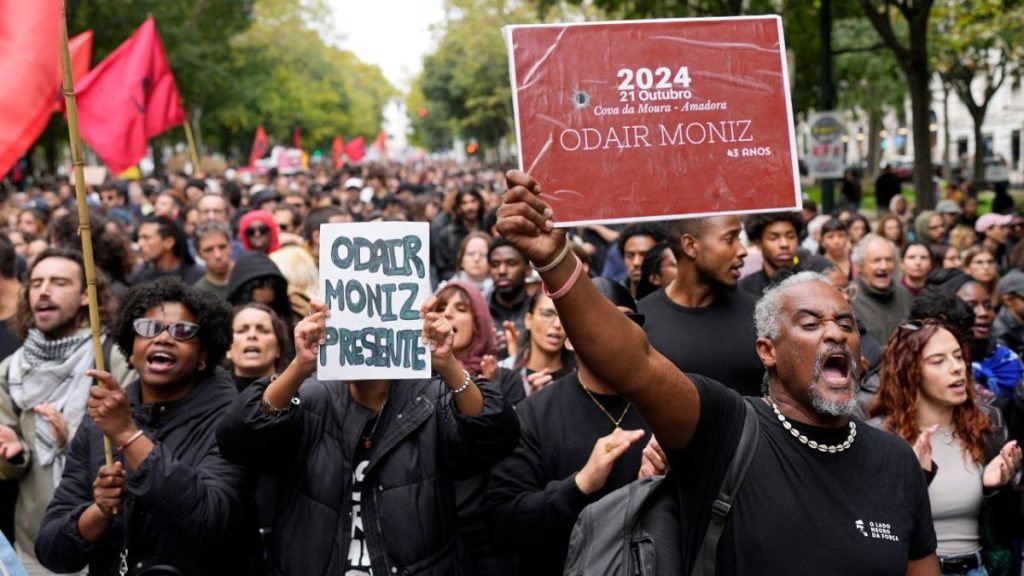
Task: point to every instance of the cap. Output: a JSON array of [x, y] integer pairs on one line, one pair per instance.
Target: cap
[[989, 220], [1012, 283], [262, 196], [948, 207], [356, 183]]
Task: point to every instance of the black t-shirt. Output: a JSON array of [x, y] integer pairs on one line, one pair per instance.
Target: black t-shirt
[[360, 432], [533, 499], [717, 341], [864, 511]]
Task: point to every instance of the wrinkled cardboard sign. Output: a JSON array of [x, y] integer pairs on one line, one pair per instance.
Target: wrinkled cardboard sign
[[653, 120]]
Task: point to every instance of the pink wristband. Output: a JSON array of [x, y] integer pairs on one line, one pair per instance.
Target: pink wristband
[[568, 284]]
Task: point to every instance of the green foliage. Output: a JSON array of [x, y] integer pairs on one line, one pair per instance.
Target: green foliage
[[196, 35], [242, 63], [464, 84], [977, 47], [868, 80], [288, 77]]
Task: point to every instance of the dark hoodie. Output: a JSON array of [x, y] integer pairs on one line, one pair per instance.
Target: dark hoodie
[[253, 266]]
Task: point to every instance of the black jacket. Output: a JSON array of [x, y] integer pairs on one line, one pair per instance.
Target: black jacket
[[408, 506], [184, 502]]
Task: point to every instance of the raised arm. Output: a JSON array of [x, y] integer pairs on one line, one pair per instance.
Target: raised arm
[[613, 347]]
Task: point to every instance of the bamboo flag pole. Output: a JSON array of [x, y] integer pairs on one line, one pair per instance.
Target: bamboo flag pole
[[191, 141], [83, 207]]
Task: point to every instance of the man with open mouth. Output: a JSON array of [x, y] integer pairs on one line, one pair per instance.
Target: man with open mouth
[[882, 302], [43, 388], [825, 494]]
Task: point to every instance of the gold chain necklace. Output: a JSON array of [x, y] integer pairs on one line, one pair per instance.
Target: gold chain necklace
[[602, 408]]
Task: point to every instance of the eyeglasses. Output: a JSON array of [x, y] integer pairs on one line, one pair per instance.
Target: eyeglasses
[[256, 231], [180, 331], [912, 326]]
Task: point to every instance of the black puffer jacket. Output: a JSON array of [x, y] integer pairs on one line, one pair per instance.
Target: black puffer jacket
[[184, 502], [408, 507]]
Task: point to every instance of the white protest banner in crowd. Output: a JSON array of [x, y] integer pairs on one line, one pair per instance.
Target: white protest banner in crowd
[[827, 157], [373, 278], [648, 120]]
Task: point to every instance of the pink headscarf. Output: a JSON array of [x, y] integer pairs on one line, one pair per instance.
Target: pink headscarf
[[484, 341], [259, 216]]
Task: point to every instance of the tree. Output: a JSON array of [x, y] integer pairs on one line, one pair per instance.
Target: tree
[[432, 128], [196, 35], [241, 63], [907, 36], [464, 82], [869, 80], [977, 50], [285, 76]]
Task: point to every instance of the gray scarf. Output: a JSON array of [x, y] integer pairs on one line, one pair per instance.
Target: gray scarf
[[52, 372]]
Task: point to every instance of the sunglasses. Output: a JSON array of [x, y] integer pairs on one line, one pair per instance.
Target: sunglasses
[[180, 331], [256, 231], [915, 325]]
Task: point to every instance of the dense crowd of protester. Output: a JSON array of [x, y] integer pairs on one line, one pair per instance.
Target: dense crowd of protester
[[230, 457]]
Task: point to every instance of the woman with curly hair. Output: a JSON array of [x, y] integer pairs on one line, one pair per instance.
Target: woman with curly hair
[[926, 398], [169, 504]]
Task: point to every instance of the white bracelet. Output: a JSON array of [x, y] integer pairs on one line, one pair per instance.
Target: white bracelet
[[465, 384], [551, 265]]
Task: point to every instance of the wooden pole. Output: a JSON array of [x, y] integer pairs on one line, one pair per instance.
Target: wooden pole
[[194, 152], [78, 162]]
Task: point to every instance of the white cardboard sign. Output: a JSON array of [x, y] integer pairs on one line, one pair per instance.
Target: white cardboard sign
[[373, 278]]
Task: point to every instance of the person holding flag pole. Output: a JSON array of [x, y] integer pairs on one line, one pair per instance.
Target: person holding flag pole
[[168, 504]]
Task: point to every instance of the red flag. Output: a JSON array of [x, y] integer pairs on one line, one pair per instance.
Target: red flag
[[260, 145], [30, 66], [296, 138], [337, 149], [129, 98], [356, 149], [81, 56], [381, 143]]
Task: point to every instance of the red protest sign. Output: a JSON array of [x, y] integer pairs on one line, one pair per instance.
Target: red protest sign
[[655, 119]]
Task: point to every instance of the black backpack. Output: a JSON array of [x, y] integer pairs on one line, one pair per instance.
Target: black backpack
[[649, 513]]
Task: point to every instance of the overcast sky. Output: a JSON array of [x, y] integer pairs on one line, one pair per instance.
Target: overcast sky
[[393, 34]]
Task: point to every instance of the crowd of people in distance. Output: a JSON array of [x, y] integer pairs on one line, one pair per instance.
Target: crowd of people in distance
[[880, 354]]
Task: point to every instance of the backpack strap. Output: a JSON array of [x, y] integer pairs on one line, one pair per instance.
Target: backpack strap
[[720, 508]]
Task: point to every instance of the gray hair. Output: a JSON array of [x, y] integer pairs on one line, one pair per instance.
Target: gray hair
[[210, 227], [860, 251], [766, 313]]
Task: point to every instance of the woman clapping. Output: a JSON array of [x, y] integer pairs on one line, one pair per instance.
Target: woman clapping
[[926, 397]]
